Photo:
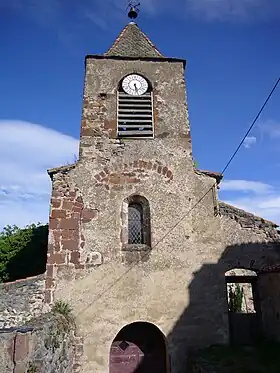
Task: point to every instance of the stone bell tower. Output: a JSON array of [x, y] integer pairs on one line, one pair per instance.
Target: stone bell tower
[[151, 120], [113, 212]]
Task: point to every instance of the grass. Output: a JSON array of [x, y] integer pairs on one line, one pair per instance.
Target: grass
[[262, 358]]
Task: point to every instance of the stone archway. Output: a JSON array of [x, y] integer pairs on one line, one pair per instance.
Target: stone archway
[[139, 347]]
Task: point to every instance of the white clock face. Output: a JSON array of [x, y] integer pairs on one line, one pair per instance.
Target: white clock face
[[135, 85]]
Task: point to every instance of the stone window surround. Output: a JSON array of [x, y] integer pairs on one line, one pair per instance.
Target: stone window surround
[[146, 245]]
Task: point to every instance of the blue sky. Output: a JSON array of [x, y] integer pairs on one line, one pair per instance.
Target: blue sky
[[233, 59]]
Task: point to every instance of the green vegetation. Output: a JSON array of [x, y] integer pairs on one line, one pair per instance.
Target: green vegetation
[[235, 298], [64, 310], [23, 252], [262, 358], [65, 325]]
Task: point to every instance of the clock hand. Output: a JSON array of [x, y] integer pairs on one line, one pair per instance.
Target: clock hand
[[135, 87]]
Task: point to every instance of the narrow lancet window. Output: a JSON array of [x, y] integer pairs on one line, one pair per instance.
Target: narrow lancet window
[[135, 224]]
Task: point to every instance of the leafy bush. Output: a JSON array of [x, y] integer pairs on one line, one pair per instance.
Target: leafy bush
[[23, 252]]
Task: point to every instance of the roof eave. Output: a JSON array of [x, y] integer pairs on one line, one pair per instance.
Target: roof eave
[[216, 175], [152, 59]]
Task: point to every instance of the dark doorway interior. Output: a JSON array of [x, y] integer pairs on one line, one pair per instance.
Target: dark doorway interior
[[138, 348]]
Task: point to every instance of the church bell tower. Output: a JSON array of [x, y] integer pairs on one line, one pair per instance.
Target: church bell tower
[[134, 101]]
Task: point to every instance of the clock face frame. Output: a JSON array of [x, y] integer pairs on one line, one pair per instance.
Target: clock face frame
[[135, 85]]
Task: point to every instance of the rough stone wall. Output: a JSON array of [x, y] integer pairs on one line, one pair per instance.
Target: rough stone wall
[[251, 222], [269, 284], [180, 284], [35, 349], [21, 300]]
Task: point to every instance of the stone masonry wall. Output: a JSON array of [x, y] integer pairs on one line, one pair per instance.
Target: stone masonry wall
[[66, 239], [38, 349], [269, 284], [250, 221], [21, 300]]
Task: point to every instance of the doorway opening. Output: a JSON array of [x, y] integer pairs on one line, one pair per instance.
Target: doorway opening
[[139, 347]]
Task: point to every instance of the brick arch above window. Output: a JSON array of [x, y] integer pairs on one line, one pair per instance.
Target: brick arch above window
[[131, 173]]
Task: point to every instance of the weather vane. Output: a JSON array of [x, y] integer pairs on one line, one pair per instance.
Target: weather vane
[[133, 7]]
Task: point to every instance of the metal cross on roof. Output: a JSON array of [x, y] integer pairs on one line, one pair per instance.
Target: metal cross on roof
[[133, 7]]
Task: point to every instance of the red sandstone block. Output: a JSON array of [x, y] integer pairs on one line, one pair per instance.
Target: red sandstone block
[[75, 257], [53, 223], [57, 258], [159, 169], [67, 205], [70, 244], [88, 214], [169, 174], [69, 234], [69, 223], [164, 170], [132, 180], [49, 282], [56, 203], [21, 346], [58, 214], [78, 204]]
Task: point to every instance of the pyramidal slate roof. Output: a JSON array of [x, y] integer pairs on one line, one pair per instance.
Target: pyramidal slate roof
[[132, 42]]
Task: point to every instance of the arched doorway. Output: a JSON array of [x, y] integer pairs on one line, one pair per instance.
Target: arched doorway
[[139, 347]]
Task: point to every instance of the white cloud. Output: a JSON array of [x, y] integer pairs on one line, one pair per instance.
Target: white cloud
[[256, 187], [249, 141], [270, 128], [253, 196], [26, 151]]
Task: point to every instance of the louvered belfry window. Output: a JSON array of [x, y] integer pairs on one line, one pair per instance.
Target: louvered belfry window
[[135, 223], [135, 115]]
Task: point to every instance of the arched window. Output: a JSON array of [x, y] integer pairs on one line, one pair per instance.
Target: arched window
[[135, 107], [136, 225]]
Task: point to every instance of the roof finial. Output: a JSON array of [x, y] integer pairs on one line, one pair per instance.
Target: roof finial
[[133, 9]]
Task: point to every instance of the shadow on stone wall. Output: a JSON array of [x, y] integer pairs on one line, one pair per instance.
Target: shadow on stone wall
[[205, 321], [27, 254]]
